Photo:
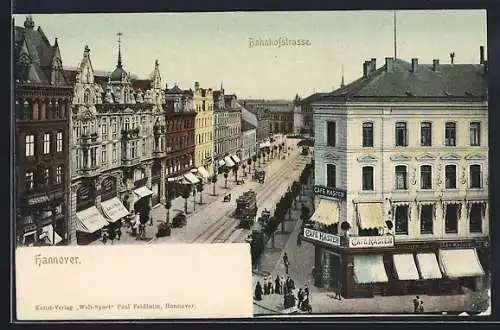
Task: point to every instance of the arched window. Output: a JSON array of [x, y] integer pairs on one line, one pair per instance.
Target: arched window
[[86, 96], [27, 111]]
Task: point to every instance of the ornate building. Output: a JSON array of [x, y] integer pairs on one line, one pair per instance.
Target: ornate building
[[401, 170], [42, 99], [180, 138], [117, 149], [204, 107]]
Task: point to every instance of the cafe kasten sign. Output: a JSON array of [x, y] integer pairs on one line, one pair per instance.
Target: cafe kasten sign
[[321, 237], [371, 241], [336, 193]]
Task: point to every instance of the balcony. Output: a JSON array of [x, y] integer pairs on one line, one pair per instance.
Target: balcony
[[88, 170], [89, 139]]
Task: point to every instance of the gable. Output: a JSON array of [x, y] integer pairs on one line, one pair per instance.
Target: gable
[[451, 156], [367, 159], [426, 157], [400, 158], [476, 156]]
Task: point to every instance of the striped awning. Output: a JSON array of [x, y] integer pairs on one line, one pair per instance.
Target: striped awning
[[222, 163], [236, 159], [326, 212], [460, 263], [229, 161]]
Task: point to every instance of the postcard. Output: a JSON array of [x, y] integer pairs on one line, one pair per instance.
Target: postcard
[[239, 164]]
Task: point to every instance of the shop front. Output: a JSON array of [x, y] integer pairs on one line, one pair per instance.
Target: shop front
[[89, 221], [142, 195], [111, 206], [155, 183]]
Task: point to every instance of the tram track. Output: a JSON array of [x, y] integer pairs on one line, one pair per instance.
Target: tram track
[[220, 231]]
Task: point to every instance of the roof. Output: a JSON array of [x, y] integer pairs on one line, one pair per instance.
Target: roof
[[142, 84], [174, 90], [246, 126], [36, 60], [450, 82]]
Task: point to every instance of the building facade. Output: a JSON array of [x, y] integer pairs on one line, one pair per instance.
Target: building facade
[[401, 179], [180, 136], [277, 114], [117, 150], [303, 114], [42, 101], [204, 107], [248, 140]]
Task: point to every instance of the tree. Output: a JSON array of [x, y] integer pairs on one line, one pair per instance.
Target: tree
[[275, 148], [168, 206], [226, 174], [259, 156], [194, 198], [186, 191], [249, 162], [214, 181], [200, 188]]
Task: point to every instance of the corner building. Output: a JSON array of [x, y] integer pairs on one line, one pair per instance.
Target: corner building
[[401, 180]]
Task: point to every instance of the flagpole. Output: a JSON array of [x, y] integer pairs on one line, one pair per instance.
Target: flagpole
[[395, 54]]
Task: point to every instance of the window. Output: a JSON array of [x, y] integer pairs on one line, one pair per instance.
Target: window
[[104, 131], [46, 143], [30, 145], [451, 219], [425, 177], [450, 134], [450, 176], [367, 178], [86, 96], [46, 177], [426, 134], [401, 218], [330, 133], [114, 152], [113, 128], [127, 124], [104, 155], [132, 149], [475, 176], [476, 218], [367, 134], [475, 134], [143, 146], [29, 180], [59, 174], [93, 157], [426, 219], [59, 141], [401, 178], [77, 159], [401, 134]]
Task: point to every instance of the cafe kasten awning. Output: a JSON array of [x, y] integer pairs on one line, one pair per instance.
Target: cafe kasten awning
[[90, 220], [142, 192], [326, 212], [113, 209], [460, 263], [229, 161], [49, 234], [405, 267], [369, 268], [203, 172], [236, 159], [428, 266], [191, 178], [370, 215], [222, 163]]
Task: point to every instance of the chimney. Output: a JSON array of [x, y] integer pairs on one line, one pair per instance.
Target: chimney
[[196, 85], [414, 64], [373, 64], [389, 62], [435, 65], [365, 69], [481, 55]]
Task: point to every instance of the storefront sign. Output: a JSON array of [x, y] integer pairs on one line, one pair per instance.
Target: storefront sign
[[371, 241], [321, 237], [442, 245], [335, 193], [38, 200]]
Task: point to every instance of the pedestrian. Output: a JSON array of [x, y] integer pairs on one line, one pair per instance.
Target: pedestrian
[[299, 241], [292, 284], [421, 307], [338, 291], [270, 285], [258, 291], [286, 262], [266, 287], [300, 298], [277, 285], [118, 233], [112, 235], [416, 304], [306, 290], [105, 236]]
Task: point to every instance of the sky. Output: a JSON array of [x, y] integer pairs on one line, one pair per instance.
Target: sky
[[214, 48]]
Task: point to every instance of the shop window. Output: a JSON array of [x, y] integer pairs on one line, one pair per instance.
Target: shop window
[[451, 219], [367, 178], [450, 134], [401, 177], [401, 219], [476, 218], [425, 177], [426, 134], [426, 219], [450, 176], [59, 174], [29, 180]]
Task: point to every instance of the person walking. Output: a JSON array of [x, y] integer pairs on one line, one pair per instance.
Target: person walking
[[258, 291], [286, 262], [416, 304], [299, 241], [277, 285], [421, 307], [118, 234], [270, 285], [300, 298], [266, 287]]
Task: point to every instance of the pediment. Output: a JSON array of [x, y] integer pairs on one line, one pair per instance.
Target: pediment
[[475, 156], [329, 156], [400, 158], [426, 156], [451, 157], [128, 110], [367, 159]]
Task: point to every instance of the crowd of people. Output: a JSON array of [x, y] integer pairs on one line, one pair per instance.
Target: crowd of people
[[283, 286]]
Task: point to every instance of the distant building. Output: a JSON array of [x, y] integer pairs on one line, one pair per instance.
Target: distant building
[[401, 179], [279, 113], [303, 120], [204, 108], [257, 108], [42, 107], [249, 140]]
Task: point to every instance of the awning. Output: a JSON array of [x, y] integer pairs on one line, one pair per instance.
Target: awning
[[262, 145], [326, 212], [222, 163], [460, 263], [428, 266], [113, 209], [49, 233], [90, 220], [370, 215], [369, 268], [236, 159], [405, 267], [203, 172], [142, 192], [191, 178], [267, 144], [229, 161]]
